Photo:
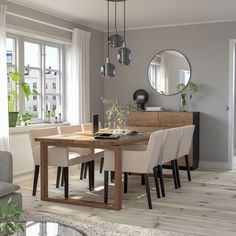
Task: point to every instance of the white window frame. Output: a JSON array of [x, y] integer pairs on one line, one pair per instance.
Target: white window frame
[[19, 59]]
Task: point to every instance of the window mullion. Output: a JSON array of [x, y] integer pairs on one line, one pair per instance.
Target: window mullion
[[20, 50]]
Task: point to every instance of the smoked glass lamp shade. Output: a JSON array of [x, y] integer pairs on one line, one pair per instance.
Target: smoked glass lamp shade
[[124, 55], [115, 40], [108, 69]]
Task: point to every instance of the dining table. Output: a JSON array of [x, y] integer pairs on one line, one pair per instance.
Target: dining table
[[86, 140]]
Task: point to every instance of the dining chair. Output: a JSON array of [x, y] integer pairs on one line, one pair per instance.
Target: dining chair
[[57, 156], [169, 149], [95, 154], [88, 127], [136, 161], [183, 150]]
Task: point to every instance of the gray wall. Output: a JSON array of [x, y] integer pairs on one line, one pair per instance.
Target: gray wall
[[96, 44], [207, 48]]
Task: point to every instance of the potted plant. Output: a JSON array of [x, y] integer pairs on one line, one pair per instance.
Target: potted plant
[[15, 78], [25, 118], [116, 113], [10, 215], [186, 94]]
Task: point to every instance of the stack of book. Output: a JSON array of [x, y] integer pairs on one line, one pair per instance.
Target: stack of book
[[154, 109]]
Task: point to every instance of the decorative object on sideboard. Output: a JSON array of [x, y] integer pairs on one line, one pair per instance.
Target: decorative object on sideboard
[[124, 55], [166, 70], [117, 114], [186, 94], [141, 97], [15, 83]]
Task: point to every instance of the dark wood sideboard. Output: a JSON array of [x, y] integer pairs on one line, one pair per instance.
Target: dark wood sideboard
[[152, 121]]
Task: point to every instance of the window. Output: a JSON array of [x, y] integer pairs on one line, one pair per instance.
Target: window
[[34, 85], [41, 65]]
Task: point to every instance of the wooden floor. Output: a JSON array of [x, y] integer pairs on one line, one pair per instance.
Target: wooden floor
[[205, 206]]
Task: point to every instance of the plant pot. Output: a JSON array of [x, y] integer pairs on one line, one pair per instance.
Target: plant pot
[[13, 118]]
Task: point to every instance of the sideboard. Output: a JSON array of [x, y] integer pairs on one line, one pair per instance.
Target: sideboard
[[152, 121]]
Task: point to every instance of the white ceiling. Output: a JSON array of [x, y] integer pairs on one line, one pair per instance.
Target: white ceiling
[[140, 13]]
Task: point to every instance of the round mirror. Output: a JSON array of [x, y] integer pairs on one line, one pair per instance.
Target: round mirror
[[169, 72]]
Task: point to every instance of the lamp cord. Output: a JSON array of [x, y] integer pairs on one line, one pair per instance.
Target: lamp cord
[[115, 18], [108, 26], [124, 20]]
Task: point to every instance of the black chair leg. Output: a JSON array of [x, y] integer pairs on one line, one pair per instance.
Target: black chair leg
[[155, 173], [62, 177], [58, 177], [177, 173], [160, 174], [66, 180], [86, 169], [36, 175], [125, 182], [101, 165], [174, 173], [112, 176], [91, 175], [82, 171], [187, 167], [142, 180], [148, 191], [106, 177]]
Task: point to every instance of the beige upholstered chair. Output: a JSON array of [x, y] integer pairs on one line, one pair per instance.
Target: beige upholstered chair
[[97, 153], [88, 127], [57, 156], [170, 147], [184, 148], [136, 161]]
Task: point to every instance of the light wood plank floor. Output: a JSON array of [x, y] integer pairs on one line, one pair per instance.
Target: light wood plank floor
[[205, 206]]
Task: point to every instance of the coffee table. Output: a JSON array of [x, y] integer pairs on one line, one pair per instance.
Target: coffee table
[[38, 228]]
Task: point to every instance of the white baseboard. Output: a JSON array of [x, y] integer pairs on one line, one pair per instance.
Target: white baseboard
[[214, 165]]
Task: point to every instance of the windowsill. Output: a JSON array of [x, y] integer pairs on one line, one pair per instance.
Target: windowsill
[[25, 129]]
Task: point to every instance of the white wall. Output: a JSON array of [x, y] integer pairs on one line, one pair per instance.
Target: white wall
[[207, 48]]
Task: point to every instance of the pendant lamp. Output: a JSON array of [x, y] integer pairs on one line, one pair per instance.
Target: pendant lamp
[[124, 55], [108, 69], [115, 40]]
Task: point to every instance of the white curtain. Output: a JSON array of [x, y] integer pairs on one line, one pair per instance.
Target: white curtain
[[4, 130], [78, 87]]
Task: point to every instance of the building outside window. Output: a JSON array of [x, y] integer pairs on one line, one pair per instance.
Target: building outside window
[[34, 85], [41, 65]]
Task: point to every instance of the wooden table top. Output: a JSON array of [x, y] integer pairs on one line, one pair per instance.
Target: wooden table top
[[85, 139]]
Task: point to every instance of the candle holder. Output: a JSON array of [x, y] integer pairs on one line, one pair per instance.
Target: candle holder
[[48, 117], [59, 118]]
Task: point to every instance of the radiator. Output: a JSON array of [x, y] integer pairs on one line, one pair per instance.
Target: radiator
[[22, 154]]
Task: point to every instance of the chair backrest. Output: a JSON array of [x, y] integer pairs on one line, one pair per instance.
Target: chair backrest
[[69, 129], [170, 145], [185, 140], [154, 148], [89, 127], [36, 145]]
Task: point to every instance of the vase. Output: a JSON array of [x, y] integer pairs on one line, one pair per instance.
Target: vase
[[184, 103]]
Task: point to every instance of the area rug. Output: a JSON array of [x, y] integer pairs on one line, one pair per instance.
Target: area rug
[[100, 228]]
